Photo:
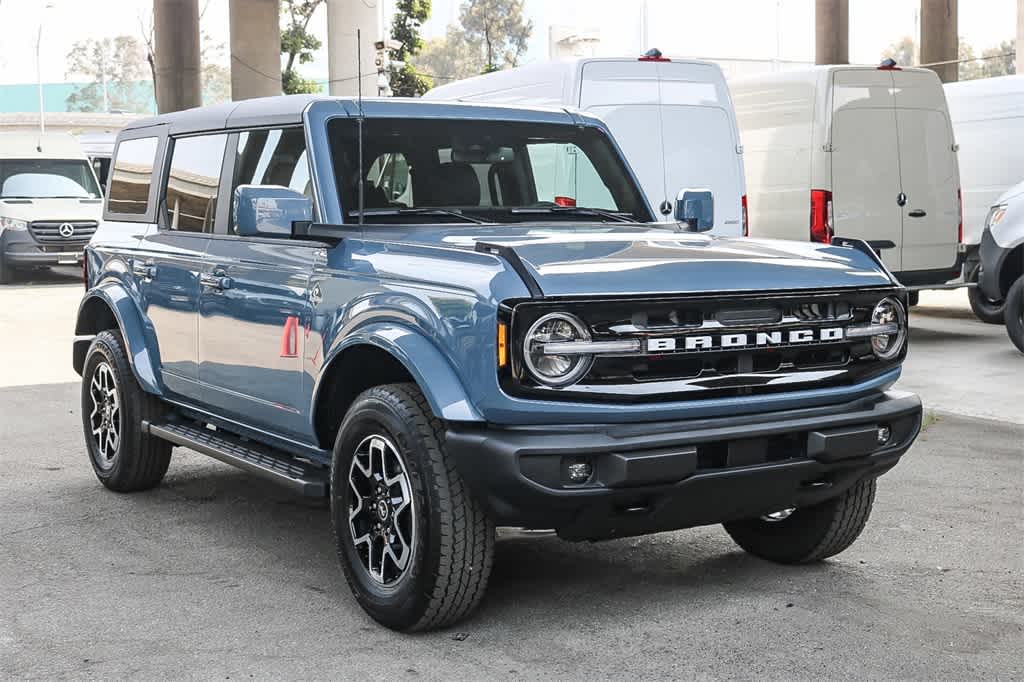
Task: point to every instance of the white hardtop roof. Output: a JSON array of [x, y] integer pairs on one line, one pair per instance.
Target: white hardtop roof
[[987, 98], [36, 146], [813, 73]]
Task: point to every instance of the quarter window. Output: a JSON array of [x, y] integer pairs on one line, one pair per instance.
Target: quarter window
[[132, 176], [191, 197]]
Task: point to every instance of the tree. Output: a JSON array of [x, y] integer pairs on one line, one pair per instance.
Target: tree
[[902, 52], [490, 35], [406, 80], [113, 67], [498, 26], [299, 44], [999, 61]]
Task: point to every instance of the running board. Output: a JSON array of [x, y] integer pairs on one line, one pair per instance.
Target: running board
[[301, 477]]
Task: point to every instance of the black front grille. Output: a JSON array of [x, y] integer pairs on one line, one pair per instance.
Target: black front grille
[[768, 354], [49, 231]]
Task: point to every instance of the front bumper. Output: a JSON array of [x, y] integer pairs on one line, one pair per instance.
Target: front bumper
[[19, 249], [667, 475]]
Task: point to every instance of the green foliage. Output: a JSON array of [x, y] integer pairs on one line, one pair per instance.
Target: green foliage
[[119, 63], [299, 44], [406, 80], [994, 61], [490, 35], [901, 52]]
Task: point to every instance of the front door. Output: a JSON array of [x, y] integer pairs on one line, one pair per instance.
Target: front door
[[254, 300]]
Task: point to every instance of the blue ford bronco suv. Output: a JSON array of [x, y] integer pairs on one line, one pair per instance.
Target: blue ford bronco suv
[[448, 317]]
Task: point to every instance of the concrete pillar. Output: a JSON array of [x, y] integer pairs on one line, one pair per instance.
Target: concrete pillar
[[255, 48], [178, 82], [940, 40], [831, 32], [343, 18]]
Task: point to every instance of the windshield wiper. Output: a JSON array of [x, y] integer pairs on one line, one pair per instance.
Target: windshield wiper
[[620, 216], [416, 211]]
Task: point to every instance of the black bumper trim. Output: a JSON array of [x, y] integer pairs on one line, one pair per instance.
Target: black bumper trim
[[646, 477]]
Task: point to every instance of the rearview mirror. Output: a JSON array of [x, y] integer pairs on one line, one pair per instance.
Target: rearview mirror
[[696, 208], [269, 210]]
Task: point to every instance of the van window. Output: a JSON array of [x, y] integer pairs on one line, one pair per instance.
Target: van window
[[132, 175], [191, 197], [563, 171], [46, 179]]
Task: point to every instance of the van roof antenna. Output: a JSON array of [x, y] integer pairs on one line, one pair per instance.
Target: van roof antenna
[[359, 121]]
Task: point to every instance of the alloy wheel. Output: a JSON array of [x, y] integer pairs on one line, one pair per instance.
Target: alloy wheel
[[381, 516], [105, 417]]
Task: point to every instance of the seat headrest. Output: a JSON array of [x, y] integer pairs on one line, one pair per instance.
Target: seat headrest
[[453, 184]]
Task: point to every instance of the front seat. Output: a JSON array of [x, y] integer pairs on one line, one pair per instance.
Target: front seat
[[451, 184]]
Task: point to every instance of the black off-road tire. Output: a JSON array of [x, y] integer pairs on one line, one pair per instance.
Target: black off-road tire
[[809, 534], [1015, 313], [913, 298], [139, 461], [453, 544], [988, 311]]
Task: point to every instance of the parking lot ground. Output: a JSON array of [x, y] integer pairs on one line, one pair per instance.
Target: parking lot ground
[[216, 574]]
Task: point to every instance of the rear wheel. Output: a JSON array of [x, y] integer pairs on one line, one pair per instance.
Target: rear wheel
[[800, 536], [1014, 313], [985, 309], [113, 409], [415, 546]]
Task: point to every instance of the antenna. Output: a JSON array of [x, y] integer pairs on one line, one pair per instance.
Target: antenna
[[359, 121]]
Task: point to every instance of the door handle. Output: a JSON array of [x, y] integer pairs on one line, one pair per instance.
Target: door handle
[[917, 213], [146, 271], [215, 280]]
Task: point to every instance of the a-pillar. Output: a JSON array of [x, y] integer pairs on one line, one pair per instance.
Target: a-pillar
[[343, 18], [939, 38], [255, 48], [832, 32], [176, 36]]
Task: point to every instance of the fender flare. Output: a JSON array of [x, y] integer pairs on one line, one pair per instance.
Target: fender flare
[[423, 360], [144, 361]]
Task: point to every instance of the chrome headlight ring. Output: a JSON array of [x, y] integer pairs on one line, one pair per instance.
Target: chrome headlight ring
[[552, 369]]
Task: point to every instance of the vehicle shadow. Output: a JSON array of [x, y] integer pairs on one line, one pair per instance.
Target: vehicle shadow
[[65, 274]]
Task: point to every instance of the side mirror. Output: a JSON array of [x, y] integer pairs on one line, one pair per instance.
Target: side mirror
[[696, 208], [269, 210]]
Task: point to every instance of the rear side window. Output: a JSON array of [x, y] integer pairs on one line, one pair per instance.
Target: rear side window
[[193, 181], [132, 176]]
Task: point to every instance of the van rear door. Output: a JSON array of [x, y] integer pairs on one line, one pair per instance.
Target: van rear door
[[865, 160], [928, 173], [700, 140], [629, 102]]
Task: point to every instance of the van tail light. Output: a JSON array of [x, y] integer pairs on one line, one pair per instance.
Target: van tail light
[[565, 201], [746, 219], [960, 215], [821, 216]]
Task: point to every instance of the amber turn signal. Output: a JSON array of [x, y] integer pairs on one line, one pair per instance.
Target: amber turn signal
[[502, 344]]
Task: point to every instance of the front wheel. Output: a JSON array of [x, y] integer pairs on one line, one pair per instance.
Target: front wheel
[[800, 536], [985, 309], [415, 546], [1014, 313]]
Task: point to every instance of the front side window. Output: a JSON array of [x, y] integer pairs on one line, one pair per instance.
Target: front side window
[[47, 179], [492, 171], [191, 197], [273, 157], [132, 176]]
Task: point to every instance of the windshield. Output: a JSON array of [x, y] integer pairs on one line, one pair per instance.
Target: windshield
[[47, 179], [437, 170]]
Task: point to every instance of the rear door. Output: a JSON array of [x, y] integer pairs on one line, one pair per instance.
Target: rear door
[[699, 140], [928, 173], [629, 101], [866, 190]]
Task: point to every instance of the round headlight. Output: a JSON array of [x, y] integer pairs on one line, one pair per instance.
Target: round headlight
[[550, 368], [890, 312]]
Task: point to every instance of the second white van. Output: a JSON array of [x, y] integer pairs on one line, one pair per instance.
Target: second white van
[[672, 118], [852, 151]]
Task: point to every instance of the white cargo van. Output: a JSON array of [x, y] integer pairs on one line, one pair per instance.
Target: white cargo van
[[988, 120], [865, 152], [672, 118], [50, 202]]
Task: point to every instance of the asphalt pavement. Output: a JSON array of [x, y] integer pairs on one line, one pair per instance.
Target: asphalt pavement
[[216, 574]]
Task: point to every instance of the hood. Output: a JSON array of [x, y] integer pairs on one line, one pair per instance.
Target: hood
[[51, 209], [622, 260]]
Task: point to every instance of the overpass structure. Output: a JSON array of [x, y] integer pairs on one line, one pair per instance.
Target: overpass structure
[[256, 45]]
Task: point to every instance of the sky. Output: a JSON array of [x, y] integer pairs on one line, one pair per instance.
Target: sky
[[749, 29]]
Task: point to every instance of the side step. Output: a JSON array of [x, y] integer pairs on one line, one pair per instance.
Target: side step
[[303, 478]]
